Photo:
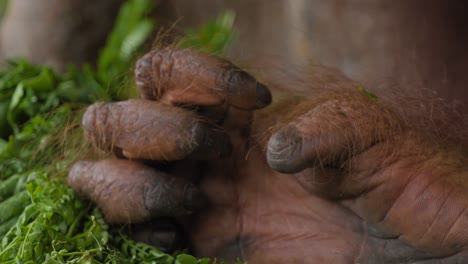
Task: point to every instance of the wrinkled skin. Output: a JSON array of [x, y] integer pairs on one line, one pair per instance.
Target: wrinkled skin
[[329, 176]]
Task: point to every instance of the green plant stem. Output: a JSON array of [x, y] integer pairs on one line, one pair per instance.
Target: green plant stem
[[14, 205]]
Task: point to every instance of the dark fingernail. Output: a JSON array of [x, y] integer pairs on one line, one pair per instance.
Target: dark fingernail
[[194, 199], [283, 152], [161, 233], [278, 144], [263, 95], [243, 91]]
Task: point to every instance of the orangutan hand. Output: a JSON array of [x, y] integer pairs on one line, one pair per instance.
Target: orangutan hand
[[327, 176]]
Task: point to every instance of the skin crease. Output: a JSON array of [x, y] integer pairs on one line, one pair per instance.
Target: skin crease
[[324, 176]]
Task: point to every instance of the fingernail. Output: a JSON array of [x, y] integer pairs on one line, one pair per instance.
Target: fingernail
[[283, 151], [144, 74], [263, 95], [142, 66], [78, 171], [243, 91], [284, 141]]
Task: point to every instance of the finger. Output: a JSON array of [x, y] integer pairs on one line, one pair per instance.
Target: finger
[[144, 129], [163, 234], [329, 133], [186, 76], [130, 192]]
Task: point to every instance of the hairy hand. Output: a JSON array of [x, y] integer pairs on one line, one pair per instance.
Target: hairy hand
[[326, 176]]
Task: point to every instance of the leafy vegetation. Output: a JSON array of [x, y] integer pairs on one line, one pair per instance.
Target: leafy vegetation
[[42, 220], [214, 37], [27, 90], [131, 30]]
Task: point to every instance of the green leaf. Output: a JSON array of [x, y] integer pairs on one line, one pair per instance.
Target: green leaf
[[11, 185], [204, 261], [132, 28], [5, 128], [135, 39], [214, 37], [6, 226], [13, 206], [44, 82], [17, 96], [368, 94], [81, 86], [186, 259], [13, 114]]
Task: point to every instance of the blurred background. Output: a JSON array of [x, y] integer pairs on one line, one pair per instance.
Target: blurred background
[[418, 43], [77, 52]]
